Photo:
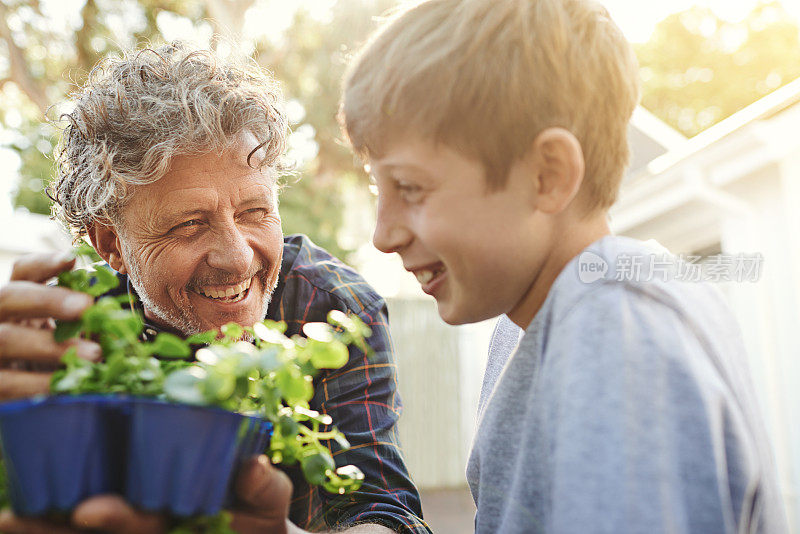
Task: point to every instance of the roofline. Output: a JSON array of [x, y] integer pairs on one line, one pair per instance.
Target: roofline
[[772, 103], [656, 129]]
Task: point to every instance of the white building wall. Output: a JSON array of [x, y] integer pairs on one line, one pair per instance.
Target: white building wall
[[768, 312], [440, 369], [743, 192]]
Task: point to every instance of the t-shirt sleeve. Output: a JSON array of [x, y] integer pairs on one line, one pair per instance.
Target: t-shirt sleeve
[[639, 423]]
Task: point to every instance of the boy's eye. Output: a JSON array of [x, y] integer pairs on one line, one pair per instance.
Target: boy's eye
[[409, 192]]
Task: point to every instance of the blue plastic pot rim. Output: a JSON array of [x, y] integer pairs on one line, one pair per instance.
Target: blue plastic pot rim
[[10, 407], [17, 405]]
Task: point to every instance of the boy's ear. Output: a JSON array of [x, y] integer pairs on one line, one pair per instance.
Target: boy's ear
[[105, 240], [560, 168]]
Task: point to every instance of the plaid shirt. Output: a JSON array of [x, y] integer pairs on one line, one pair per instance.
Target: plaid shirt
[[361, 397]]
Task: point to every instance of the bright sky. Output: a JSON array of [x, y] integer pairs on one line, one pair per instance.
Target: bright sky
[[638, 18]]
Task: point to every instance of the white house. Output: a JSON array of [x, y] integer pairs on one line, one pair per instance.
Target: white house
[[735, 189]]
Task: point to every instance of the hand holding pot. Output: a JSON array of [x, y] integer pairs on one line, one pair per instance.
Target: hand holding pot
[[28, 311], [264, 493]]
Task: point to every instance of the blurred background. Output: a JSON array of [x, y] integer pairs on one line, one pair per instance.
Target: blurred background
[[716, 169]]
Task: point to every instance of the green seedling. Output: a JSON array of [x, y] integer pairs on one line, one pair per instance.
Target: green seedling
[[269, 375]]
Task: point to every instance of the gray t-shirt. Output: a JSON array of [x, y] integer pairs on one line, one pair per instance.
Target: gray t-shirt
[[627, 407]]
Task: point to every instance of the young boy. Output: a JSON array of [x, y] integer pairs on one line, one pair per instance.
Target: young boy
[[496, 134]]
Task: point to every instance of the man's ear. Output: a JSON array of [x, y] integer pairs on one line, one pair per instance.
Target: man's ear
[[105, 240], [560, 168]]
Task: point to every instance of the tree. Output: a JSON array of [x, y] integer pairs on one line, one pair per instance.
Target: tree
[[46, 58], [310, 61], [698, 69]]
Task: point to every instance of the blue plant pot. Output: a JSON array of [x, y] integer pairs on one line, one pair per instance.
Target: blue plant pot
[[182, 459], [59, 451], [162, 457]]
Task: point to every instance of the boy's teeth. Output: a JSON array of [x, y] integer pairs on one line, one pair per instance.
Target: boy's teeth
[[226, 293], [423, 277]]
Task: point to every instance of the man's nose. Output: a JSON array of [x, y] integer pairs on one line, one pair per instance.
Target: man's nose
[[230, 251], [391, 233]]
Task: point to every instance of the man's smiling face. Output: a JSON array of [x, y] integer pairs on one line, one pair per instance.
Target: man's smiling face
[[203, 244]]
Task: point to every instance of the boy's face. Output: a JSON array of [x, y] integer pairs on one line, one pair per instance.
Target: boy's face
[[477, 252]]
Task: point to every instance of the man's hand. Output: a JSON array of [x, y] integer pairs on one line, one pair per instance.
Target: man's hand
[[28, 310], [264, 494]]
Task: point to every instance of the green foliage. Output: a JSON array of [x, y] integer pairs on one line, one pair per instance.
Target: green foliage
[[311, 206], [270, 377], [34, 147], [698, 69], [310, 61], [216, 524], [5, 502]]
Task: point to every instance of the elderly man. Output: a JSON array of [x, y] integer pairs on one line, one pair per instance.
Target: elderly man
[[169, 165]]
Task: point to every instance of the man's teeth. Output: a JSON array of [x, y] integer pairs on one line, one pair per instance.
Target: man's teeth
[[425, 276], [232, 291]]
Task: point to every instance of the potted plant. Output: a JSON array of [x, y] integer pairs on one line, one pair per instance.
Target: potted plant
[[165, 431]]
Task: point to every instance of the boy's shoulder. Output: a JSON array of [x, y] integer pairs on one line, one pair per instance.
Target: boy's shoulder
[[617, 271], [649, 306]]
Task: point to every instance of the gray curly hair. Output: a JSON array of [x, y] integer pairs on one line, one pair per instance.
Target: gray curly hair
[[135, 113]]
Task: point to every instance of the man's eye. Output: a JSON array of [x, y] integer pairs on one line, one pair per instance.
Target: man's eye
[[187, 224], [255, 214]]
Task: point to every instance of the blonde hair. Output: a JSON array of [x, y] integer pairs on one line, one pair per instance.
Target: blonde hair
[[135, 113], [487, 76]]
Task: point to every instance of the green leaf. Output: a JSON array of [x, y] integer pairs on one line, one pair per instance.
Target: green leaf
[[203, 338], [321, 332], [331, 355], [168, 345], [77, 280], [66, 330], [5, 500], [271, 335], [72, 380], [317, 466], [288, 426], [267, 360], [341, 440], [278, 326], [104, 280], [293, 385], [183, 385], [350, 323], [232, 331], [209, 355], [87, 251], [218, 385], [350, 472], [303, 414]]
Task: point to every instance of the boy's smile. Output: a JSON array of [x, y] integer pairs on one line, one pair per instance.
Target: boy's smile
[[461, 240]]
